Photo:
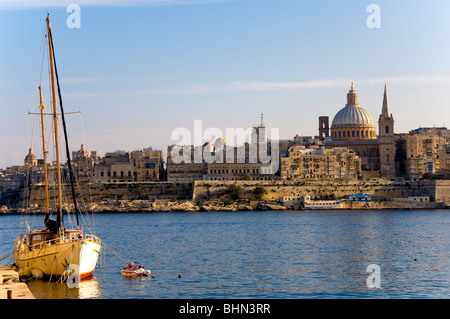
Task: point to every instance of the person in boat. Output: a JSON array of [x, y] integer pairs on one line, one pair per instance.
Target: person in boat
[[130, 266]]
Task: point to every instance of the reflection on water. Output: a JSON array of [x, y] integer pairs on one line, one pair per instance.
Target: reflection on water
[[87, 289]]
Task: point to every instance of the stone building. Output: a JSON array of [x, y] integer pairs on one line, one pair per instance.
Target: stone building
[[320, 163], [353, 128], [124, 166], [424, 150], [148, 165], [83, 164], [218, 161]]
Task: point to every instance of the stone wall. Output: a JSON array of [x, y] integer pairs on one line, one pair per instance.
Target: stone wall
[[201, 191], [378, 188], [96, 192], [438, 190]]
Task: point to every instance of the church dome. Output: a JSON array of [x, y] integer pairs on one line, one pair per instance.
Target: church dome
[[30, 159], [352, 115], [352, 122]]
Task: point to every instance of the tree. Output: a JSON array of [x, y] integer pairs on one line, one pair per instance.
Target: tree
[[259, 192], [234, 191]]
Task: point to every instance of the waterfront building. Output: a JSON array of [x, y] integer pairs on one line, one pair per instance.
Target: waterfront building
[[148, 165], [124, 166], [83, 164], [314, 163], [218, 161], [424, 151], [233, 164], [360, 197]]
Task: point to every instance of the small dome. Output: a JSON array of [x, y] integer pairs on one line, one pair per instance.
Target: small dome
[[30, 159], [30, 155]]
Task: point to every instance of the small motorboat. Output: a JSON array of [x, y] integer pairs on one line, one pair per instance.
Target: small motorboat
[[132, 270]]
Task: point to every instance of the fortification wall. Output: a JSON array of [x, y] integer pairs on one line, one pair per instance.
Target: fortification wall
[[96, 192], [378, 188]]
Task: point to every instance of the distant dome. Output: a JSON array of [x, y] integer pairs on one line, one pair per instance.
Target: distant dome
[[30, 155], [30, 159], [352, 122]]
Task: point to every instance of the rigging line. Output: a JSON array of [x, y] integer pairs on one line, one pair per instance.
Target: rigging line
[[7, 255], [114, 253], [72, 181]]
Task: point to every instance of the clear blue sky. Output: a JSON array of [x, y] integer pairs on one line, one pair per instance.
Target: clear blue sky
[[138, 71]]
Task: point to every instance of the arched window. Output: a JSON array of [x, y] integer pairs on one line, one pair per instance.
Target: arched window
[[387, 129]]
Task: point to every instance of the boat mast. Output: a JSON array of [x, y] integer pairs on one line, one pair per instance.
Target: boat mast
[[55, 124], [41, 107], [69, 162]]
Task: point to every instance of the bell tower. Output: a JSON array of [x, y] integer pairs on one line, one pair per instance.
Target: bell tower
[[324, 127], [386, 139]]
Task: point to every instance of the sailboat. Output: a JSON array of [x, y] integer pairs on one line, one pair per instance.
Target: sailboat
[[54, 251]]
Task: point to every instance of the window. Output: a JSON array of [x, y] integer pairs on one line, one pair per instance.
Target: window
[[387, 129]]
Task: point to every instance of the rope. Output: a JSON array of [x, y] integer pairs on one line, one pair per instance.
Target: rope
[[115, 253], [7, 255]]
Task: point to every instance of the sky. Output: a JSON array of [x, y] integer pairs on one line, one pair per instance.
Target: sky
[[137, 70]]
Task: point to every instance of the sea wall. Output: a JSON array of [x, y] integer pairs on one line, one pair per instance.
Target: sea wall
[[233, 195], [379, 189], [113, 192], [438, 190]]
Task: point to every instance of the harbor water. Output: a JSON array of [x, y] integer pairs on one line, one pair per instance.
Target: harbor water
[[260, 255]]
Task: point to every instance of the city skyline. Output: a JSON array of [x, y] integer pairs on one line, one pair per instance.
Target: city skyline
[[138, 71]]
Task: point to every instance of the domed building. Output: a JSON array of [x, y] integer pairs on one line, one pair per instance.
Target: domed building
[[353, 122], [353, 127], [30, 159]]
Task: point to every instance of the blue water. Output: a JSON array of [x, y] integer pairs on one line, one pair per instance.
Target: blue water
[[317, 254]]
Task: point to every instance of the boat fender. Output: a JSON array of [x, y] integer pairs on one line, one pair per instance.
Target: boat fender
[[37, 273], [27, 271]]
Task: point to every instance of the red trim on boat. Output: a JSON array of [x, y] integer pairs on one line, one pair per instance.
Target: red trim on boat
[[86, 275]]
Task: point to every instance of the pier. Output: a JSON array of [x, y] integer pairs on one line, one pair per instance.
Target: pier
[[11, 287]]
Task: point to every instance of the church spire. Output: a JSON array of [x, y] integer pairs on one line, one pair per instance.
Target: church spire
[[386, 112]]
